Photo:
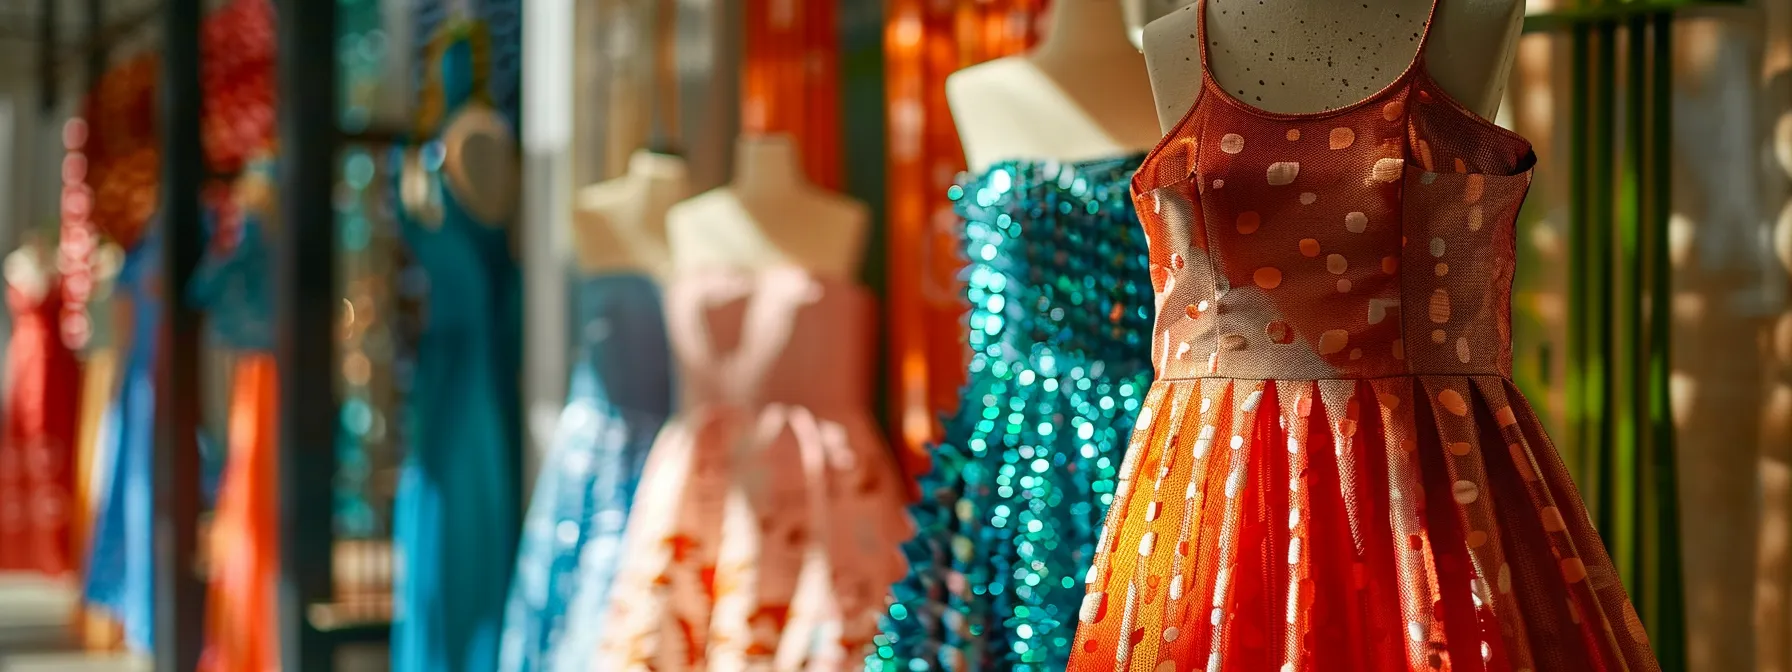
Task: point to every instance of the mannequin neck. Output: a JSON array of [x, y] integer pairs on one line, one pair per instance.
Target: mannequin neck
[[1082, 29], [767, 164]]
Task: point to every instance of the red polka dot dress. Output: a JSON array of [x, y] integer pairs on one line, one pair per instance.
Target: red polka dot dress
[[1333, 470]]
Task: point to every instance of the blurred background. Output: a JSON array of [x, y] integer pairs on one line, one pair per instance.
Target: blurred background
[[1652, 321]]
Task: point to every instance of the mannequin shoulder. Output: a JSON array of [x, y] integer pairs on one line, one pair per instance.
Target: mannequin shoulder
[[989, 101], [970, 91], [840, 207], [606, 195], [1472, 47], [1172, 49]]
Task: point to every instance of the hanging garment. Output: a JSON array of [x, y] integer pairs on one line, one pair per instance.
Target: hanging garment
[[455, 514], [232, 287], [121, 571], [1060, 325], [1333, 469], [243, 596], [620, 395], [37, 448], [99, 371], [766, 528]]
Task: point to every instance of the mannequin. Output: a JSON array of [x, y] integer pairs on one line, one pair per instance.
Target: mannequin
[[1302, 67], [1081, 94], [29, 268], [769, 216], [620, 224]]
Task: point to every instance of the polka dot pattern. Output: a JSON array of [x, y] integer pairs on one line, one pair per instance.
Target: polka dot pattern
[[1335, 403]]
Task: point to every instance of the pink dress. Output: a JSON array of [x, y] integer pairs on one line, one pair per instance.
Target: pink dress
[[767, 527]]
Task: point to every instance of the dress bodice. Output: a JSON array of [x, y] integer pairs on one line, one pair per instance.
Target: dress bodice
[[1373, 240], [775, 336], [1057, 259], [621, 335]]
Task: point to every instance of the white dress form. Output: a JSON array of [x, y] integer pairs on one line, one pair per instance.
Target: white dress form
[[619, 225], [1082, 93], [1306, 56], [29, 269], [769, 216]]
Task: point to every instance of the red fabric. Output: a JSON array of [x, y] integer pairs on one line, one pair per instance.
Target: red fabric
[[37, 455], [1333, 470]]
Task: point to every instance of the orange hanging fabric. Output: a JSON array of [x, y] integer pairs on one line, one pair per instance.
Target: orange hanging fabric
[[924, 41], [791, 83], [245, 569]]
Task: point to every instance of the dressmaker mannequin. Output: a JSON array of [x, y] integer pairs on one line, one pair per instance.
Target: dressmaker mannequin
[[769, 216], [28, 268], [620, 224], [1081, 94], [1303, 56]]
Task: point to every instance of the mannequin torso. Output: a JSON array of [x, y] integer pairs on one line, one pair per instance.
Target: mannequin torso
[[769, 216], [1300, 65], [620, 224], [1080, 94]]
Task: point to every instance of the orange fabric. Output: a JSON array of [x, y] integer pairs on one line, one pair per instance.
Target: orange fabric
[[1333, 470], [245, 550], [924, 41], [791, 81]]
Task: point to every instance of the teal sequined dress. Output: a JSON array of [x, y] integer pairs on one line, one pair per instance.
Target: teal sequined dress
[[1060, 333]]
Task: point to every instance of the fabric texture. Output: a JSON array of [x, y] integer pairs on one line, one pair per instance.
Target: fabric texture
[[766, 528], [231, 286], [121, 566], [1060, 320], [620, 395], [37, 448], [455, 514], [1333, 470]]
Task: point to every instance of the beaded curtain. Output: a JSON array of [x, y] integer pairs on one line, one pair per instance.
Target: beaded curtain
[[790, 80], [924, 41]]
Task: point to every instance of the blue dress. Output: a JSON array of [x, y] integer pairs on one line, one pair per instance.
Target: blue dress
[[121, 570], [620, 394], [455, 516], [1060, 327]]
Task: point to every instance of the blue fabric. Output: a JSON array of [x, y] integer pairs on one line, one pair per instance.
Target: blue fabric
[[455, 516], [620, 395], [233, 285], [121, 571]]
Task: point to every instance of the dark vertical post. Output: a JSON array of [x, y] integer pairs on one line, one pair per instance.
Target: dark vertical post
[[46, 55], [179, 596], [1667, 626], [96, 50], [304, 321]]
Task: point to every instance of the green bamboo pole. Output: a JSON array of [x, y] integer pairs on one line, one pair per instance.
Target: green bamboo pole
[[1627, 364], [1578, 241], [1599, 290], [1665, 616]]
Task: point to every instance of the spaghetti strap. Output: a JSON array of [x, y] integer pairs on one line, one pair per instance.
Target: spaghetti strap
[[1201, 34]]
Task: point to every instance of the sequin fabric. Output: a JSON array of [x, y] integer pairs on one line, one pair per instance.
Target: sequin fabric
[[1058, 332], [1333, 470]]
